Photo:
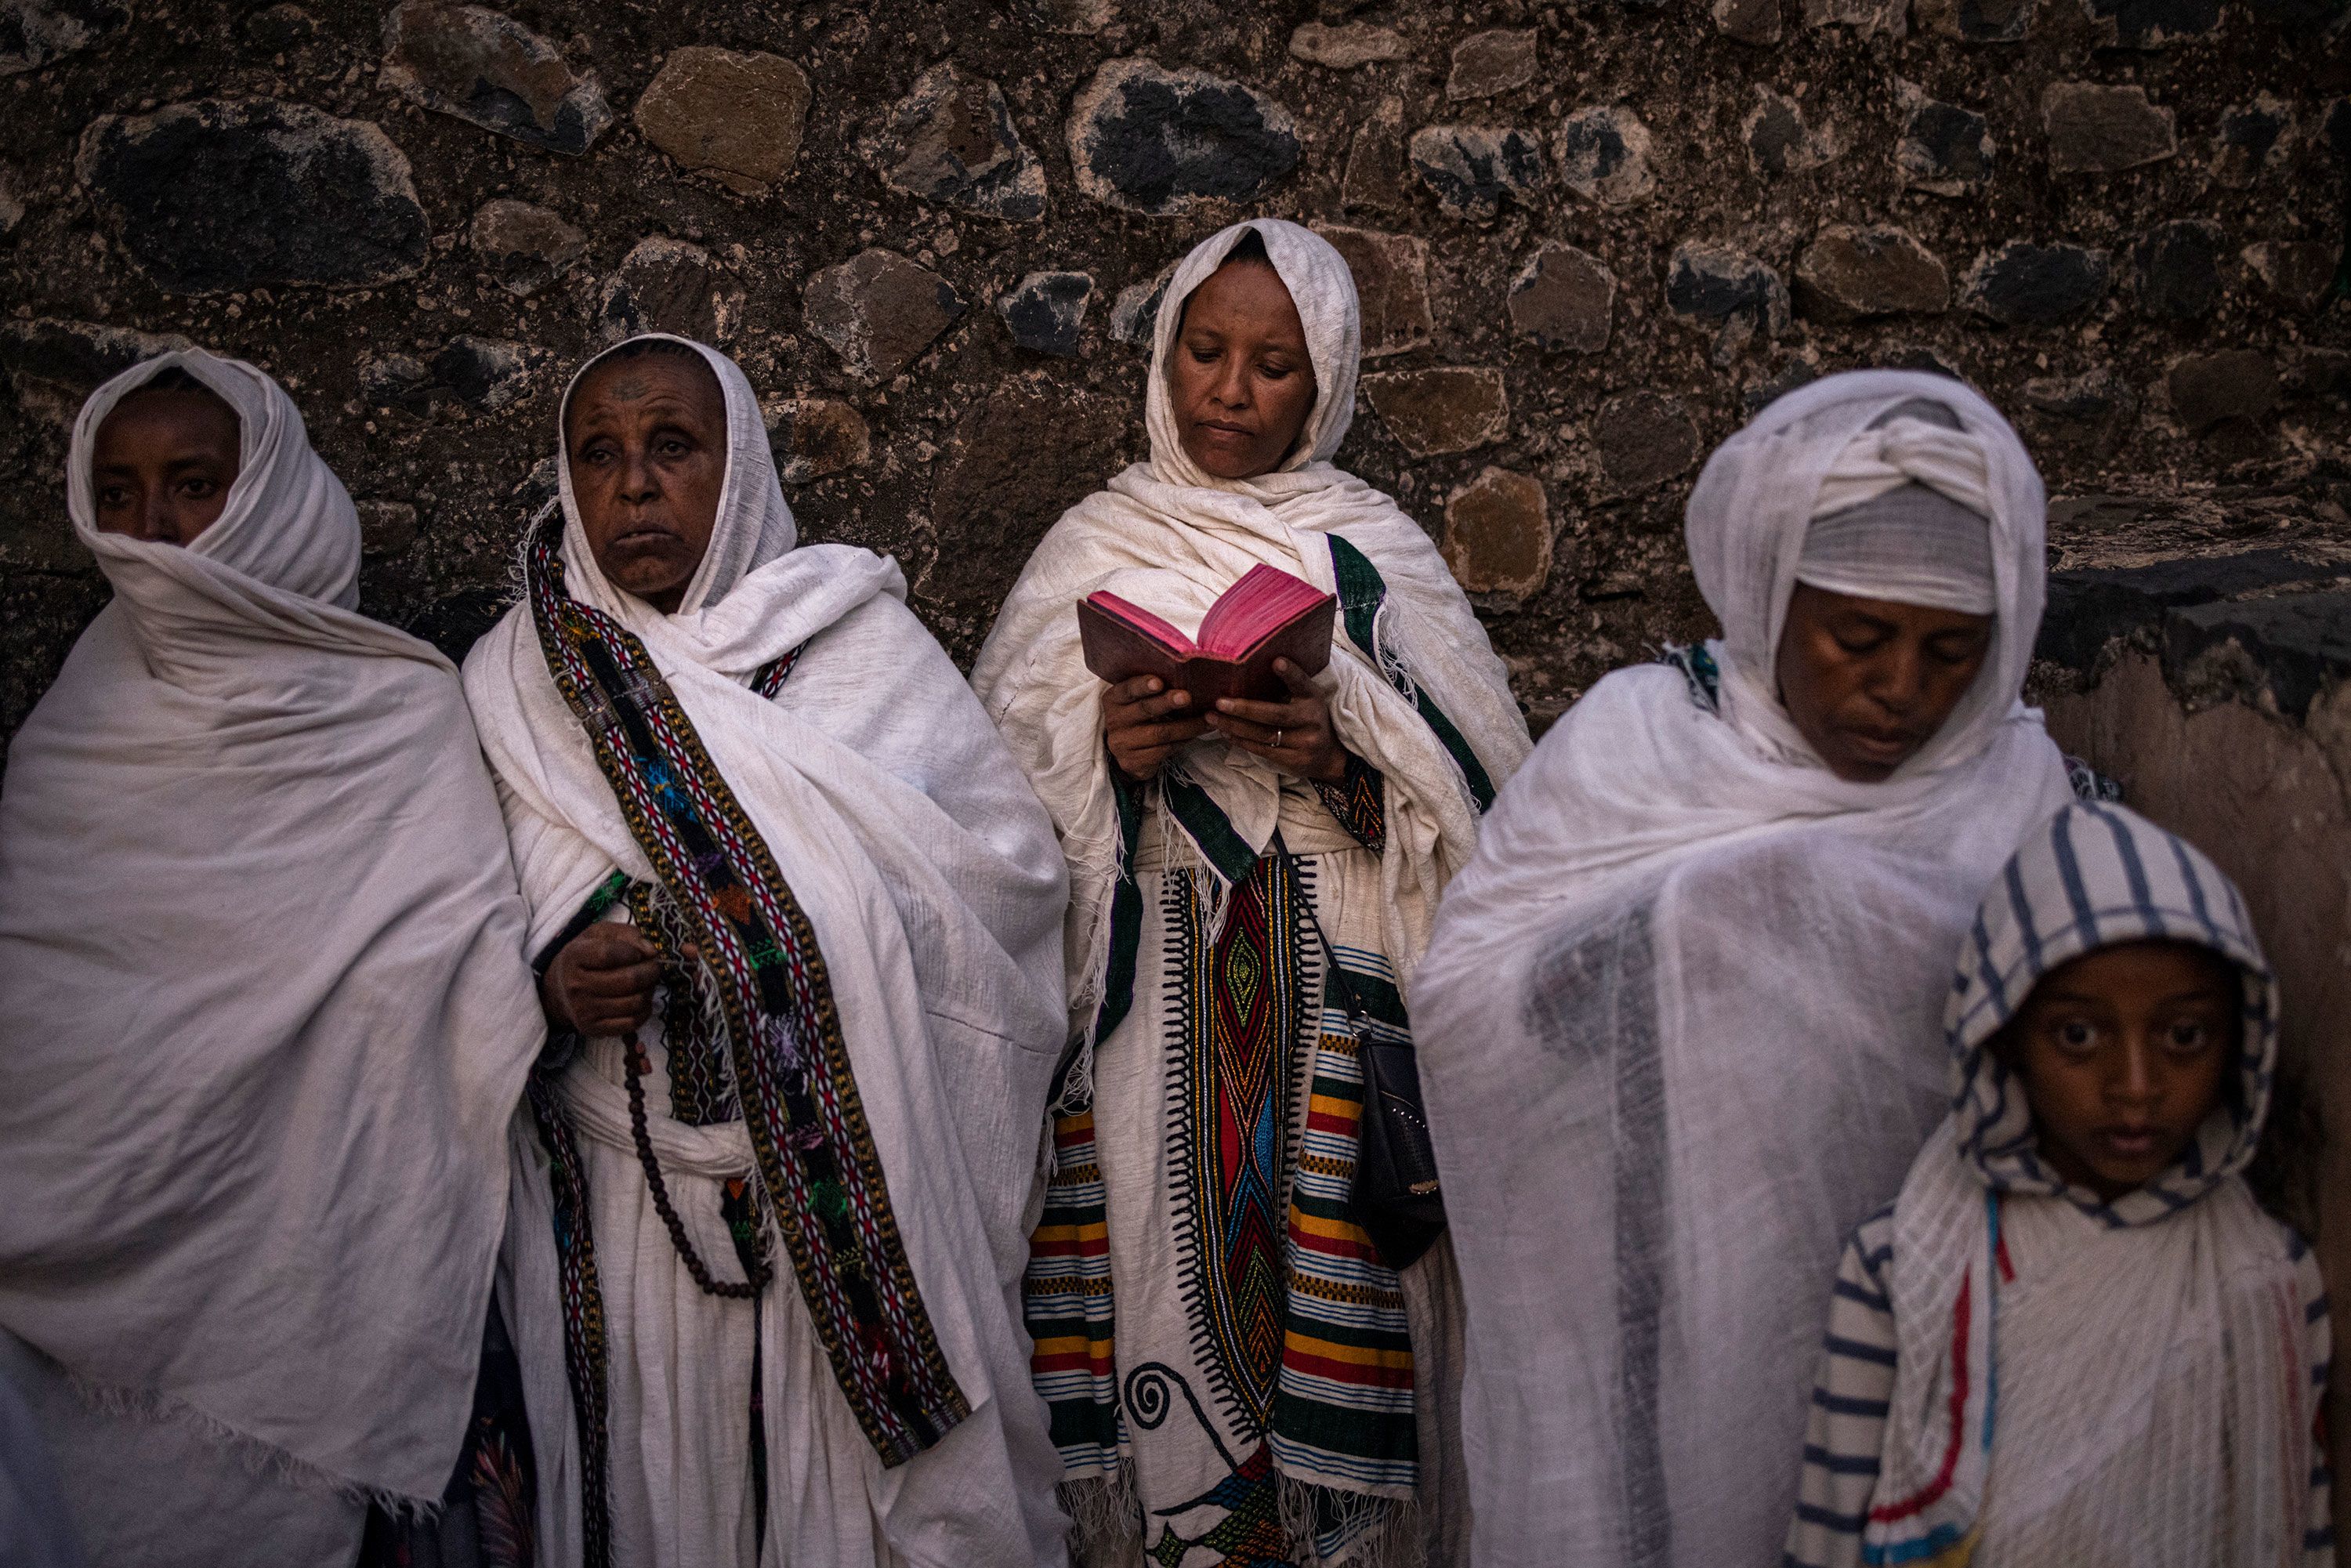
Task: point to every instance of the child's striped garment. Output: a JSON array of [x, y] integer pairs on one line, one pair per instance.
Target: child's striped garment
[[2020, 1372], [1847, 1430]]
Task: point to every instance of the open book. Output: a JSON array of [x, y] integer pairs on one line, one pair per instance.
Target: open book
[[1267, 615]]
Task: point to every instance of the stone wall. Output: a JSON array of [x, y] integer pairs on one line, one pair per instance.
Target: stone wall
[[1592, 238]]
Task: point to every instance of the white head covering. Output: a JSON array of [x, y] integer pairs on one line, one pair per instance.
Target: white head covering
[[263, 1008], [1324, 290], [1678, 1026], [278, 479], [2150, 1349], [1902, 516]]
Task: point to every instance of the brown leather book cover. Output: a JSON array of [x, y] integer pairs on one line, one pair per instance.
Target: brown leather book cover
[[1123, 641]]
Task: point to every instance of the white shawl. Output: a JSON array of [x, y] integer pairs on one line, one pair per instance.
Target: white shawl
[[264, 1002], [1677, 1028], [927, 871], [1169, 536]]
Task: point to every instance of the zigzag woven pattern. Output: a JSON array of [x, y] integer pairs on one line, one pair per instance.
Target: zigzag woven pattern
[[809, 1135]]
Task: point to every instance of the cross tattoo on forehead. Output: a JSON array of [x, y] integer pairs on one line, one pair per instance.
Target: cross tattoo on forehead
[[628, 389]]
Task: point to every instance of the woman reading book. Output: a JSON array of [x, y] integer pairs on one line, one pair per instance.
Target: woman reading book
[[1276, 1388]]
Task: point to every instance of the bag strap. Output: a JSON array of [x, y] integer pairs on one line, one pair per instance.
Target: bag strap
[[1334, 975]]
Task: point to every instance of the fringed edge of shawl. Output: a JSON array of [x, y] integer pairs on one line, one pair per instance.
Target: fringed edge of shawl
[[1105, 1518], [1390, 1527], [266, 1460]]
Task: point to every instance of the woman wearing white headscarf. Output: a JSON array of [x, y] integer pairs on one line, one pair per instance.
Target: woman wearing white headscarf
[[264, 1013], [1219, 1339], [1678, 1027], [768, 1232]]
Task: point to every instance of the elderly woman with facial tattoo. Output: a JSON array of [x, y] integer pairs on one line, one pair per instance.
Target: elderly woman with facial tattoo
[[1681, 1026], [798, 920], [1237, 1372]]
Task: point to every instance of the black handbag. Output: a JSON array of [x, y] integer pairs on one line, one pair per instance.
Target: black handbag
[[1396, 1196]]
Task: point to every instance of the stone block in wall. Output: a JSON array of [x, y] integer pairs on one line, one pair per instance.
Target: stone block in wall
[[1779, 142], [1017, 461], [12, 205], [878, 311], [525, 248], [1473, 169], [1152, 139], [2251, 137], [1374, 179], [1081, 19], [489, 372], [1441, 409], [1497, 539], [2092, 410], [223, 195], [53, 365], [1563, 298], [1604, 156], [1755, 22], [2095, 129], [2297, 273], [386, 528], [1725, 291], [1891, 18], [1134, 314], [2211, 390], [1850, 272], [1046, 311], [1346, 45], [2027, 285], [2178, 268], [1643, 439], [34, 32], [2149, 24], [665, 285], [1976, 21], [814, 437], [951, 140], [1944, 148], [486, 68], [1391, 274], [1486, 64], [735, 116]]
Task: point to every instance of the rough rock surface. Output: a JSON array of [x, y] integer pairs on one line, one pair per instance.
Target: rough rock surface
[[1001, 487], [484, 67], [1565, 298], [1046, 312], [2099, 130], [34, 32], [1497, 537], [1443, 408], [1604, 156], [1945, 148], [2298, 273], [1346, 46], [738, 117], [219, 196], [1726, 292], [2026, 285], [2150, 24], [1375, 175], [526, 247], [1391, 287], [1644, 438], [1778, 139], [668, 286], [1754, 22], [1488, 64], [952, 141], [878, 311], [1156, 140], [815, 437], [1472, 168], [1848, 273], [2235, 386], [1976, 21], [2179, 270]]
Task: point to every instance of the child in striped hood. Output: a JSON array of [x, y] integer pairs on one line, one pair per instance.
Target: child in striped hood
[[2074, 1338]]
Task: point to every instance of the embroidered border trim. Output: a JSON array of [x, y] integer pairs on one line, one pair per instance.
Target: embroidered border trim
[[810, 1138], [1362, 592]]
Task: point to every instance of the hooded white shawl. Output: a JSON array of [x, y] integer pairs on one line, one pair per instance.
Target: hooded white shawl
[[1171, 537], [264, 1004], [2139, 1392], [927, 872], [1677, 1028]]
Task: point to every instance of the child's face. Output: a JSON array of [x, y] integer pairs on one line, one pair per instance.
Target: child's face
[[2123, 1052]]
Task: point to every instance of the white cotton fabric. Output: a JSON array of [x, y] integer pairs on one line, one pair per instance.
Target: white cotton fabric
[[2148, 1399], [1911, 546], [1678, 1028], [1168, 536], [927, 872], [263, 1012]]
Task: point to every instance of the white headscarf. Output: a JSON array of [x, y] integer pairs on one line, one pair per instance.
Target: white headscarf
[[264, 1005], [928, 872], [2140, 1386], [1169, 536], [1678, 1026]]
